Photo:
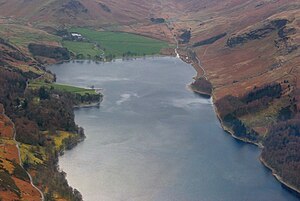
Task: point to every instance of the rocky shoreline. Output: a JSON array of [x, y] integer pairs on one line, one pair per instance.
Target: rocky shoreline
[[260, 145], [245, 140]]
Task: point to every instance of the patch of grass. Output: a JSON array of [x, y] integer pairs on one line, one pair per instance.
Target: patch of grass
[[27, 38], [265, 117], [62, 87], [120, 43], [84, 50]]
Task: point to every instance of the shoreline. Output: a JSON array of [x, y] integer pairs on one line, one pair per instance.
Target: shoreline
[[202, 93], [260, 146], [79, 140], [245, 140], [279, 178], [224, 127], [230, 132], [88, 105]]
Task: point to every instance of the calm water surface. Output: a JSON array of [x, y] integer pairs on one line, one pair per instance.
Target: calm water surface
[[154, 140]]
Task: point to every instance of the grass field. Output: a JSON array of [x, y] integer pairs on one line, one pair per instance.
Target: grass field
[[62, 87], [120, 44], [98, 44], [83, 49]]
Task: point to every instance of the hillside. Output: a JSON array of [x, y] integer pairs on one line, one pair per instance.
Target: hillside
[[74, 12], [248, 50]]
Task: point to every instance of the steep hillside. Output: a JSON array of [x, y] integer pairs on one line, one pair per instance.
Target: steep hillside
[[30, 138], [249, 50], [15, 183]]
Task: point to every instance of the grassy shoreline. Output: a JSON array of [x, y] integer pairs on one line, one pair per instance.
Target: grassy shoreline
[[62, 87]]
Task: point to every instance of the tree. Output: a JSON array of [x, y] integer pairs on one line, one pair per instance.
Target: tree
[[43, 93]]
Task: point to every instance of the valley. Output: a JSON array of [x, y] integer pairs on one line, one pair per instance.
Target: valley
[[245, 52]]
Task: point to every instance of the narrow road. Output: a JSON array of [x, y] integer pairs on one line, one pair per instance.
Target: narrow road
[[177, 54], [199, 64], [19, 155]]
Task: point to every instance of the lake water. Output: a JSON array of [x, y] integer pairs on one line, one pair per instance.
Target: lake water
[[154, 140]]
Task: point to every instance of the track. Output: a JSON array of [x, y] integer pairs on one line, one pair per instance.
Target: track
[[177, 47]]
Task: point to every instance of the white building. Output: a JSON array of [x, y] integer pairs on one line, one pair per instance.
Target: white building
[[76, 36]]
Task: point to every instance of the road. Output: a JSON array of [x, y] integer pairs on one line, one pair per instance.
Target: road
[[177, 47]]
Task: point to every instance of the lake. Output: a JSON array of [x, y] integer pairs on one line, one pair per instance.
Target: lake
[[152, 139]]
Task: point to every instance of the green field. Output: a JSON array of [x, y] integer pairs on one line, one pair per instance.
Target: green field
[[62, 87], [83, 49], [98, 44], [121, 44]]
